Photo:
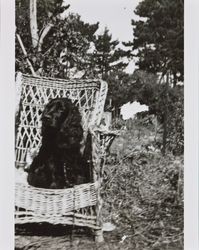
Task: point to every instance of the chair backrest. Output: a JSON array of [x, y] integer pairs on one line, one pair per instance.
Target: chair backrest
[[35, 93]]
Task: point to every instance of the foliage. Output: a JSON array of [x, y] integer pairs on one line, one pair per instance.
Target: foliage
[[158, 37], [146, 89], [47, 14], [158, 46], [70, 46], [119, 87], [106, 56], [65, 47], [47, 11]]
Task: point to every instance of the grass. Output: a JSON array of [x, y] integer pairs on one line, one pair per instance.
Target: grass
[[143, 191]]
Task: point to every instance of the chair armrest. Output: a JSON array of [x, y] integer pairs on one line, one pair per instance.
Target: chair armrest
[[105, 137], [101, 142]]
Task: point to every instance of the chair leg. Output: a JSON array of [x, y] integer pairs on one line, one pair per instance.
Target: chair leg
[[99, 236]]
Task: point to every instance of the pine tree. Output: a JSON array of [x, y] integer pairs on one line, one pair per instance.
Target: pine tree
[[158, 37], [107, 57]]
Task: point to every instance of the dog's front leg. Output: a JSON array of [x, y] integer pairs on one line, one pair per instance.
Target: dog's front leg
[[57, 175]]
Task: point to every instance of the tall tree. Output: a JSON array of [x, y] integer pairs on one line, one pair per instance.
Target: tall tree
[[107, 57], [158, 37], [119, 86]]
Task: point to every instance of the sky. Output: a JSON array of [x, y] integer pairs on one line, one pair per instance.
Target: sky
[[116, 15]]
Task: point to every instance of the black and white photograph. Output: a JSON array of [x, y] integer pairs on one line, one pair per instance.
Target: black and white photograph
[[98, 125]]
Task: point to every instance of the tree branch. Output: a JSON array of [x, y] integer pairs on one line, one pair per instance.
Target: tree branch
[[43, 35], [25, 54]]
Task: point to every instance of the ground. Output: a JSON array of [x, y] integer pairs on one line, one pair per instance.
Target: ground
[[143, 200]]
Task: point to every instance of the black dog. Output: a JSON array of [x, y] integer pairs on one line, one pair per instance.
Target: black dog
[[59, 163]]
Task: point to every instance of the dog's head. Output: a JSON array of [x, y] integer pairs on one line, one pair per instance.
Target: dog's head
[[55, 113], [71, 132], [61, 123]]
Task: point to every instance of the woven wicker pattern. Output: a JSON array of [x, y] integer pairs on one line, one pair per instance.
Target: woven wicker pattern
[[81, 204], [66, 199], [36, 92], [66, 206]]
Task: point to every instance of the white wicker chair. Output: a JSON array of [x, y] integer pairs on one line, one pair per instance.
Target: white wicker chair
[[80, 205]]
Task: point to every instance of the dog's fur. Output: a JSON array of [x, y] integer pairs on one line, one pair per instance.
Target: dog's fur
[[59, 163]]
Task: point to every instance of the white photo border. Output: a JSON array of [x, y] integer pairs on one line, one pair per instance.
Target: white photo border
[[7, 104], [191, 174], [7, 100]]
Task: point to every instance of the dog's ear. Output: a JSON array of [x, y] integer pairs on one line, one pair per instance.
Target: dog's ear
[[49, 102], [71, 128], [46, 107]]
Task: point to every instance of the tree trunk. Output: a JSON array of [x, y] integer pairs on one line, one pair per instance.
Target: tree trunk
[[165, 116], [33, 23]]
